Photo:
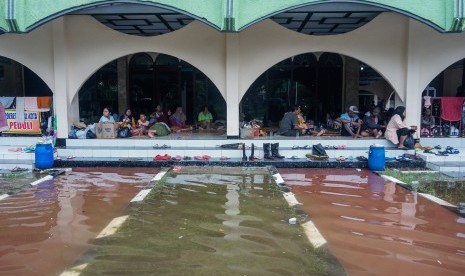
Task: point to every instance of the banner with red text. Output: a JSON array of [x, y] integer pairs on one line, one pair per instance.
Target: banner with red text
[[30, 125]]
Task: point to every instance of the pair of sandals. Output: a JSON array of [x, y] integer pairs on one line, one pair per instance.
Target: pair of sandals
[[203, 157], [449, 150], [317, 157], [304, 147], [156, 146], [163, 157]]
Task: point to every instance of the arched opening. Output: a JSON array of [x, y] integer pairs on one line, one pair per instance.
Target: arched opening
[[26, 99], [322, 84], [144, 80], [442, 111]]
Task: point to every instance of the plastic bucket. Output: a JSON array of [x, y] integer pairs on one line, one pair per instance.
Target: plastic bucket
[[376, 158], [44, 156]]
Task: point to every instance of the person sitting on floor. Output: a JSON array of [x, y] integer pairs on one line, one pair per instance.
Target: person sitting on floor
[[159, 129], [289, 125], [373, 124], [396, 130], [205, 119], [427, 122], [127, 120], [178, 121], [350, 122], [142, 126], [106, 117]]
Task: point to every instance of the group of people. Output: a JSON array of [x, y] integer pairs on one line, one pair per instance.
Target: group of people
[[159, 123], [350, 124]]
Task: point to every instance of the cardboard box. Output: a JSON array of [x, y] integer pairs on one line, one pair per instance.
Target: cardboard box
[[106, 130]]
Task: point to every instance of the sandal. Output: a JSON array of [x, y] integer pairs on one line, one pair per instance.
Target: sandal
[[438, 147], [293, 157], [428, 151], [341, 158], [224, 158], [295, 147], [442, 153], [362, 158]]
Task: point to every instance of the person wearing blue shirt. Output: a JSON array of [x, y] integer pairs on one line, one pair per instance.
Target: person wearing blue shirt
[[350, 122]]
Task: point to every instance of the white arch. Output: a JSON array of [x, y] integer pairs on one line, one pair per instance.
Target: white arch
[[187, 44]]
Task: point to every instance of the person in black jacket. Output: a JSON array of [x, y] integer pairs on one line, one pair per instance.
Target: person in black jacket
[[373, 124]]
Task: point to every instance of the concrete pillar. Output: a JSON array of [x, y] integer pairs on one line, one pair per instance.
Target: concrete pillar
[[232, 84], [60, 89], [122, 71], [412, 91], [351, 77]]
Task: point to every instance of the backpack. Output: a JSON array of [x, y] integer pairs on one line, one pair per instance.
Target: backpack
[[318, 150]]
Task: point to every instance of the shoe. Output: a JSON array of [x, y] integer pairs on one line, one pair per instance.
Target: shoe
[[275, 151], [341, 158], [361, 158], [224, 158], [266, 152], [252, 157], [206, 157], [438, 147], [244, 157]]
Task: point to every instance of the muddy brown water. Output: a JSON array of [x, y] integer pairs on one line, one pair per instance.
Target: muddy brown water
[[375, 227], [45, 228]]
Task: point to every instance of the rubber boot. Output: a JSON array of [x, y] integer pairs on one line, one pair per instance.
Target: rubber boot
[[252, 157], [244, 156], [266, 152], [275, 151]]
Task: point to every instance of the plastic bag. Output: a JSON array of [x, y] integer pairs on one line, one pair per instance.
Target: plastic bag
[[124, 133], [409, 142]]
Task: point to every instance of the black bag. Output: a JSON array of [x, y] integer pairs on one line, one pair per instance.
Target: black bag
[[409, 142], [318, 150], [124, 133], [90, 135]]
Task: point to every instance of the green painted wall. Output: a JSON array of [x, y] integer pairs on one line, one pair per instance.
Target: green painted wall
[[438, 12], [28, 13]]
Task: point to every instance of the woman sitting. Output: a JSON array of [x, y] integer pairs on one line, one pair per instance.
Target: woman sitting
[[396, 130], [106, 117], [178, 121], [127, 120]]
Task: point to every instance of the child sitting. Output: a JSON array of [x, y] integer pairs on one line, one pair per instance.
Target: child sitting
[[142, 126]]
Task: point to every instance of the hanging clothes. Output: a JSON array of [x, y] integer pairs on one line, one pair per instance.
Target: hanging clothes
[[7, 102], [30, 103], [3, 122], [451, 108], [44, 102], [20, 109], [427, 102]]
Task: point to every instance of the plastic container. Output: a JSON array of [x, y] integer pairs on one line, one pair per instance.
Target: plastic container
[[44, 156], [376, 158]]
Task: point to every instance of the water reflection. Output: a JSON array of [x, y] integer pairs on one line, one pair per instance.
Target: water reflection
[[233, 224], [44, 228], [376, 218]]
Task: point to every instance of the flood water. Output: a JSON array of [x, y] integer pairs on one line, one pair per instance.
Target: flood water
[[45, 228], [14, 182], [206, 221], [375, 227]]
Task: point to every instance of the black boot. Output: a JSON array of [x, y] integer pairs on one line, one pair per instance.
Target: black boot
[[252, 157], [275, 151], [266, 152], [244, 157]]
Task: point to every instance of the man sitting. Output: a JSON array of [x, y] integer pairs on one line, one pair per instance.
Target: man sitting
[[289, 125], [205, 118], [350, 122]]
